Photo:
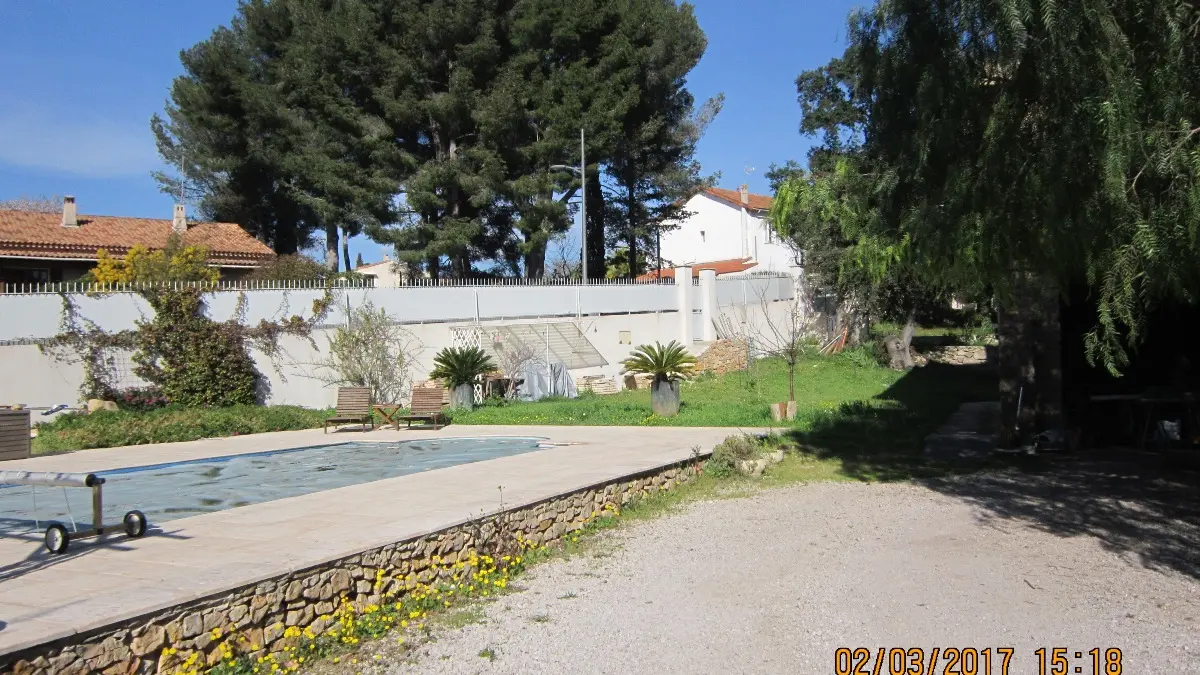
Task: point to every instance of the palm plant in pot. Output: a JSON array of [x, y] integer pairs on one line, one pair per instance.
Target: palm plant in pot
[[669, 365], [459, 367]]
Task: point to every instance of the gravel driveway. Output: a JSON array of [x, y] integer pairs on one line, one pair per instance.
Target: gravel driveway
[[777, 582]]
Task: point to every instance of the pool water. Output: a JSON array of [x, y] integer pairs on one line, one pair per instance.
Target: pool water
[[178, 490]]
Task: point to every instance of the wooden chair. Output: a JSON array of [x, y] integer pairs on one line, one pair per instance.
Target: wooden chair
[[426, 405], [353, 406]]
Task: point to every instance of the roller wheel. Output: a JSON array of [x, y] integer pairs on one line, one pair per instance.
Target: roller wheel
[[135, 523], [57, 538]]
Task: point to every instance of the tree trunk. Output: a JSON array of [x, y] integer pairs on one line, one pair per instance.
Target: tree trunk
[[792, 381], [631, 216], [595, 226], [346, 250], [535, 261], [1030, 363], [658, 247], [331, 248]]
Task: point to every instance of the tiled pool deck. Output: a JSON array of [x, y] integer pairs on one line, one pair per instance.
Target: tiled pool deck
[[44, 597]]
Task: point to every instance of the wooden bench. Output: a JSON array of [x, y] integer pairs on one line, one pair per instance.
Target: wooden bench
[[426, 405], [14, 434], [353, 406]]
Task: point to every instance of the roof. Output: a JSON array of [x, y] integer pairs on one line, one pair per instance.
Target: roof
[[731, 266], [382, 263], [756, 202], [30, 234]]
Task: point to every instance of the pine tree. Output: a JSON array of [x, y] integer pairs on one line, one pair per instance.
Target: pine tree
[[227, 139]]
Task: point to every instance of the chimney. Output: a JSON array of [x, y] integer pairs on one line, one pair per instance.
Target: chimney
[[744, 190], [179, 222], [69, 216]]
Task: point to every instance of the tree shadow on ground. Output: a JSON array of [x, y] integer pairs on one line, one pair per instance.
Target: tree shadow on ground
[[883, 439], [1142, 509], [1147, 507]]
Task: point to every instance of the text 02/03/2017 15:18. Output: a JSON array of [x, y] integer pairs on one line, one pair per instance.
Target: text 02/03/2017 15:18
[[972, 661]]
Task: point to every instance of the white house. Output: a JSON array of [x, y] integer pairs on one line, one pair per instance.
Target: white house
[[728, 224], [728, 232]]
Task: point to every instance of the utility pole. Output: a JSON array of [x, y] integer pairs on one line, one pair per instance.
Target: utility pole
[[583, 207]]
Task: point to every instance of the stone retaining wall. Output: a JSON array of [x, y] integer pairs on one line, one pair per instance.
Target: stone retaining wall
[[261, 612], [723, 356], [961, 355]]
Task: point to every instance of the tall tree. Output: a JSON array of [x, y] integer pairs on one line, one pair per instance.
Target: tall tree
[[227, 134], [1059, 139], [652, 166]]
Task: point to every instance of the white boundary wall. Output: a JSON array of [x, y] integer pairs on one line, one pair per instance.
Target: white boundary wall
[[648, 313]]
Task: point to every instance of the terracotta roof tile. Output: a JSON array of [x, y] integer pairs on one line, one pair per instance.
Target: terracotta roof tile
[[731, 266], [42, 235], [756, 202]]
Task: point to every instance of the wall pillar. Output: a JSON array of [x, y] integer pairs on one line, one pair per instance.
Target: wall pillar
[[683, 298], [708, 304]]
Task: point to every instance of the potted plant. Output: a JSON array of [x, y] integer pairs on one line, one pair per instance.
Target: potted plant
[[459, 367], [668, 365]]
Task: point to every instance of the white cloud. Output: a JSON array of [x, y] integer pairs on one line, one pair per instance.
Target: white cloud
[[75, 142]]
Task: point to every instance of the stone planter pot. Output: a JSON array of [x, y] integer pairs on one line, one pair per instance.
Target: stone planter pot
[[664, 398], [783, 411], [462, 397]]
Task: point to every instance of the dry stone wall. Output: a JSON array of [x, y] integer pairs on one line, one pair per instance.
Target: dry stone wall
[[960, 355], [723, 356], [264, 611]]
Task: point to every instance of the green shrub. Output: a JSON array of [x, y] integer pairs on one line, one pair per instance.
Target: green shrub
[[979, 332], [862, 356], [731, 451], [670, 362], [106, 429], [461, 365]]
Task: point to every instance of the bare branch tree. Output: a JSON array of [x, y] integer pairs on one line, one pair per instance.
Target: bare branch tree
[[513, 356], [372, 351], [40, 204], [563, 263], [780, 328]]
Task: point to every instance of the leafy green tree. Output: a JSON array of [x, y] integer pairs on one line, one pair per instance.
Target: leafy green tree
[[227, 134], [652, 165], [1040, 144]]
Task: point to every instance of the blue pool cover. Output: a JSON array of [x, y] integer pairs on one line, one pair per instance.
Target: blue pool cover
[[182, 489]]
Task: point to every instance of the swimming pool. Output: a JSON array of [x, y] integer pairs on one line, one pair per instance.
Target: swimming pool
[[182, 489]]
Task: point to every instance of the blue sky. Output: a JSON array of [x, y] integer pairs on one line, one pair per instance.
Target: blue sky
[[80, 80]]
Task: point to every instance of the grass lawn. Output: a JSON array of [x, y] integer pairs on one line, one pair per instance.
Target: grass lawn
[[736, 399], [107, 429]]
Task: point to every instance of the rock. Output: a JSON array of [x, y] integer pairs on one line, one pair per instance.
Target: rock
[[193, 625], [723, 356], [150, 641], [62, 661], [214, 619], [340, 581], [293, 591], [95, 404], [236, 614]]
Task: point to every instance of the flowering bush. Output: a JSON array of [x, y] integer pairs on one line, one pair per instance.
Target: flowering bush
[[405, 606], [141, 398]]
